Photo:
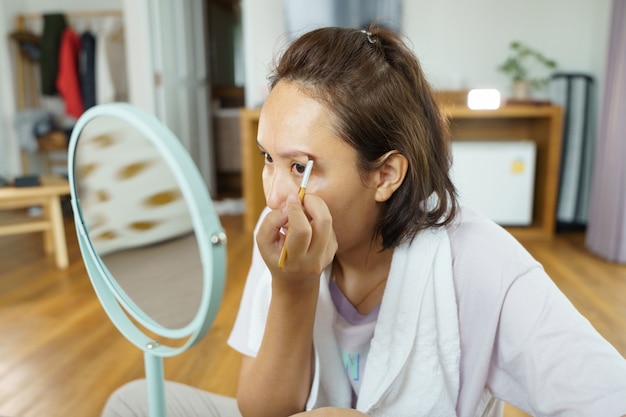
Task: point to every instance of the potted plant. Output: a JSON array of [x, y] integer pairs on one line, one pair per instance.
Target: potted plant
[[522, 67]]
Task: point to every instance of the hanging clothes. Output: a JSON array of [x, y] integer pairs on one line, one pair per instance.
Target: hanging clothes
[[111, 77], [53, 26], [29, 44], [87, 69], [68, 82]]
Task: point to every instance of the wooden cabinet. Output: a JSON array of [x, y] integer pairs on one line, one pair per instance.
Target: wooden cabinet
[[541, 124], [251, 168]]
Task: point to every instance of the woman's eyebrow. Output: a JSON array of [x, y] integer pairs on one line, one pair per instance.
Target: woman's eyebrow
[[290, 154]]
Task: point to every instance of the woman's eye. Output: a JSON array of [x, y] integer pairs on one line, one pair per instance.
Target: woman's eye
[[267, 157], [298, 168]]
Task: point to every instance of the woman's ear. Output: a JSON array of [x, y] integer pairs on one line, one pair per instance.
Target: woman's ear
[[390, 175]]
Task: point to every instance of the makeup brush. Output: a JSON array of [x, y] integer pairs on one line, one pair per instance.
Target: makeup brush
[[301, 192]]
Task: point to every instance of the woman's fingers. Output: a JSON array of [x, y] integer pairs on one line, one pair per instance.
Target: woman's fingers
[[324, 244], [270, 236], [299, 231], [310, 240]]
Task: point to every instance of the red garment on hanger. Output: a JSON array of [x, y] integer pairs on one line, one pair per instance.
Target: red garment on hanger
[[68, 81]]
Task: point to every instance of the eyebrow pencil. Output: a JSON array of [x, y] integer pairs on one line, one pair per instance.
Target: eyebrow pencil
[[301, 192]]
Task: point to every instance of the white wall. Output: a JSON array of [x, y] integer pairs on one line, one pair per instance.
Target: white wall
[[9, 151], [460, 42], [43, 6], [138, 51], [263, 33]]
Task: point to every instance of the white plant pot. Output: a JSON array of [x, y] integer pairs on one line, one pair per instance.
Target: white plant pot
[[520, 90]]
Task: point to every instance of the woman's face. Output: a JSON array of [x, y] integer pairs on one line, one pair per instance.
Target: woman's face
[[294, 128]]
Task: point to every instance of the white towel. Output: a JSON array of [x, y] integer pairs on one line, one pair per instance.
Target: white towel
[[413, 363]]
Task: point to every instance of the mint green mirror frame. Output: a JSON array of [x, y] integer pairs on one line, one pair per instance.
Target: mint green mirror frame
[[210, 237]]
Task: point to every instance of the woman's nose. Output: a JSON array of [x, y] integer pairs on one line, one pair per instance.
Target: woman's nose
[[277, 187]]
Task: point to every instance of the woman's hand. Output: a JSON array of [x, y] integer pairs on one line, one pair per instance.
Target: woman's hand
[[311, 243], [330, 412], [278, 380]]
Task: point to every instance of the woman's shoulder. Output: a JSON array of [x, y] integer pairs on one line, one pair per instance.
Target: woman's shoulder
[[473, 234], [483, 252]]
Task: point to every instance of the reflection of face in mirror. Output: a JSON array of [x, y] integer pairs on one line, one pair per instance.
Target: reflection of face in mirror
[[138, 221]]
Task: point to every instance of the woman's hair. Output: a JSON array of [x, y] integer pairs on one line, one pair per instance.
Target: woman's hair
[[374, 85]]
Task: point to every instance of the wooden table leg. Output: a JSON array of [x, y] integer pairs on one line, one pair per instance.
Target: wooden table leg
[[58, 232], [48, 233]]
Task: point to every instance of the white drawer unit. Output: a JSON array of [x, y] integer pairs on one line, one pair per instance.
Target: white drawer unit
[[496, 178]]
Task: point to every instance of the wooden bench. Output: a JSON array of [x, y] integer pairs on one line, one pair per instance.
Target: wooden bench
[[48, 196]]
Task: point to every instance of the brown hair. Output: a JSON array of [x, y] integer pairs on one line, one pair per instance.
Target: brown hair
[[375, 86]]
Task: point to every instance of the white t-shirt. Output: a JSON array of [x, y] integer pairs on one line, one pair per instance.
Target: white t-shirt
[[521, 339]]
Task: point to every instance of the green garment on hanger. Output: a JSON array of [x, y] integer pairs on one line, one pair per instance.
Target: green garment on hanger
[[53, 26]]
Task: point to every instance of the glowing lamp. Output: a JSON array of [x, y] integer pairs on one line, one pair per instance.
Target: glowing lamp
[[483, 99]]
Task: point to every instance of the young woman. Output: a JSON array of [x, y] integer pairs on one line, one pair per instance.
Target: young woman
[[392, 300]]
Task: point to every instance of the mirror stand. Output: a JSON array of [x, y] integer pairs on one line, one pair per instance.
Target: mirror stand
[[150, 238], [153, 362], [155, 379]]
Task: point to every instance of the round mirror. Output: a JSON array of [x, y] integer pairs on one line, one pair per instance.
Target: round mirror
[[146, 222], [150, 238]]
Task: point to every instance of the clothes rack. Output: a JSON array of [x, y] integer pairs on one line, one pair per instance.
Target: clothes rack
[[27, 82], [25, 71]]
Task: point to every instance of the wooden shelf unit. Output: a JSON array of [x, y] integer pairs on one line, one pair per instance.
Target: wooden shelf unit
[[541, 124], [251, 167]]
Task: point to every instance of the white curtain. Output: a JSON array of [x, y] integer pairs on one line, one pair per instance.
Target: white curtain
[[606, 229]]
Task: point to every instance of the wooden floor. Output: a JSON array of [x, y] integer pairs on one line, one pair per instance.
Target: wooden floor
[[60, 355]]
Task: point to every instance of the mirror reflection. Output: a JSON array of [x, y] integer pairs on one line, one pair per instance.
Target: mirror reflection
[[138, 221]]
